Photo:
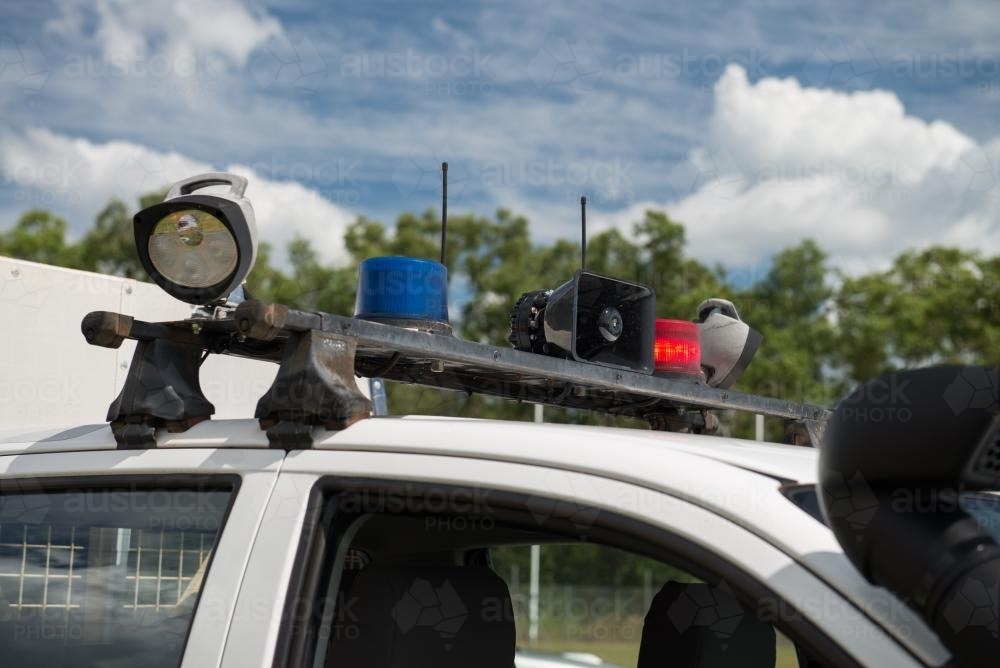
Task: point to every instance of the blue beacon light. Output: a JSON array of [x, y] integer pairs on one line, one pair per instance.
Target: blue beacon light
[[407, 291], [404, 291]]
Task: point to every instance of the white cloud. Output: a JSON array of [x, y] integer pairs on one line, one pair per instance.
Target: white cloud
[[223, 28], [799, 149], [780, 120], [850, 170], [76, 178]]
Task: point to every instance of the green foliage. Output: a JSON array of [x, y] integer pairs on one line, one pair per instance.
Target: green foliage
[[932, 306], [39, 236], [582, 564], [108, 247], [823, 329]]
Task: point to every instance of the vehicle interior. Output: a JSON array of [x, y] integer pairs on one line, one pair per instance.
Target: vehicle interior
[[425, 589]]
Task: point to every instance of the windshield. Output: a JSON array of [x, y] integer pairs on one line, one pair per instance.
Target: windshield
[[983, 506]]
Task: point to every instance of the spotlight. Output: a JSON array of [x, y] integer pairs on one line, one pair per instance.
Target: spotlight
[[727, 343], [198, 247]]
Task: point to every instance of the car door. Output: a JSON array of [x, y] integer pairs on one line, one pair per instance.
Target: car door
[[280, 558], [131, 557]]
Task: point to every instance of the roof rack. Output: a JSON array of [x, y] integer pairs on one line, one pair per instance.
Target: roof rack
[[320, 353]]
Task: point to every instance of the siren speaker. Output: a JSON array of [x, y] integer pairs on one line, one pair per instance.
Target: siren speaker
[[602, 320]]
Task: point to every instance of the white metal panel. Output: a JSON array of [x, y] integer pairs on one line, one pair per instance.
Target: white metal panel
[[411, 434], [775, 459], [46, 375], [252, 642], [628, 455], [254, 633], [208, 434], [17, 440], [258, 472], [49, 375], [216, 434], [788, 462]]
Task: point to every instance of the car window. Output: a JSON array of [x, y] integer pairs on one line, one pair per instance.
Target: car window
[[984, 507], [387, 568], [103, 576], [593, 602], [439, 586]]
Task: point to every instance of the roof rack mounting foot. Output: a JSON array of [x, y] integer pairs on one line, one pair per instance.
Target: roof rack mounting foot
[[685, 422], [804, 432], [134, 434], [315, 386], [162, 389]]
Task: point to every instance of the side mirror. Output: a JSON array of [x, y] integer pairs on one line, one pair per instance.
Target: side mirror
[[897, 454]]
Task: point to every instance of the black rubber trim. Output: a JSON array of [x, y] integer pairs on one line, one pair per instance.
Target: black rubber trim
[[306, 577], [805, 497]]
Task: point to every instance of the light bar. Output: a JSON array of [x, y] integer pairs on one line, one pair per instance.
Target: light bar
[[677, 347]]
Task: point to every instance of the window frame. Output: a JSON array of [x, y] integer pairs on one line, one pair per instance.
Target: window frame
[[612, 529]]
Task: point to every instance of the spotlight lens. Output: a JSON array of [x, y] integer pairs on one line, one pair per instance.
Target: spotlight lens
[[193, 249]]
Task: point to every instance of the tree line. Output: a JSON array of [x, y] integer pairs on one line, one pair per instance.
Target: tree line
[[824, 328]]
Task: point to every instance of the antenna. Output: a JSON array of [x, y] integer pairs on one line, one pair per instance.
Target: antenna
[[444, 209], [583, 232]]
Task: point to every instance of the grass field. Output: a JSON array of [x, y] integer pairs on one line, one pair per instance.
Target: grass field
[[627, 654]]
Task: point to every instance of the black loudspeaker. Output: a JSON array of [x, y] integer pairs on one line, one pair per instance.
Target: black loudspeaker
[[591, 318]]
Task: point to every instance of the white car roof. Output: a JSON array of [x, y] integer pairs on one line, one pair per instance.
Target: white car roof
[[736, 479], [484, 439]]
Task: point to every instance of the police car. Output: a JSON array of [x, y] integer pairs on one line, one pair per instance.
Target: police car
[[322, 532]]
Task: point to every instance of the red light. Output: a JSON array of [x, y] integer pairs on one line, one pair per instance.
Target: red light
[[677, 348]]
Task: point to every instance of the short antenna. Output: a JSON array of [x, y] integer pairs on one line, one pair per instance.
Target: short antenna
[[444, 209], [583, 232]]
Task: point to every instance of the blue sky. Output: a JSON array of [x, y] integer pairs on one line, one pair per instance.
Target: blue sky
[[868, 126]]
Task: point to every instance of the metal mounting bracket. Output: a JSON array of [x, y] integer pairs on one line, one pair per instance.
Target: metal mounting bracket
[[161, 390], [320, 353], [315, 386]]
